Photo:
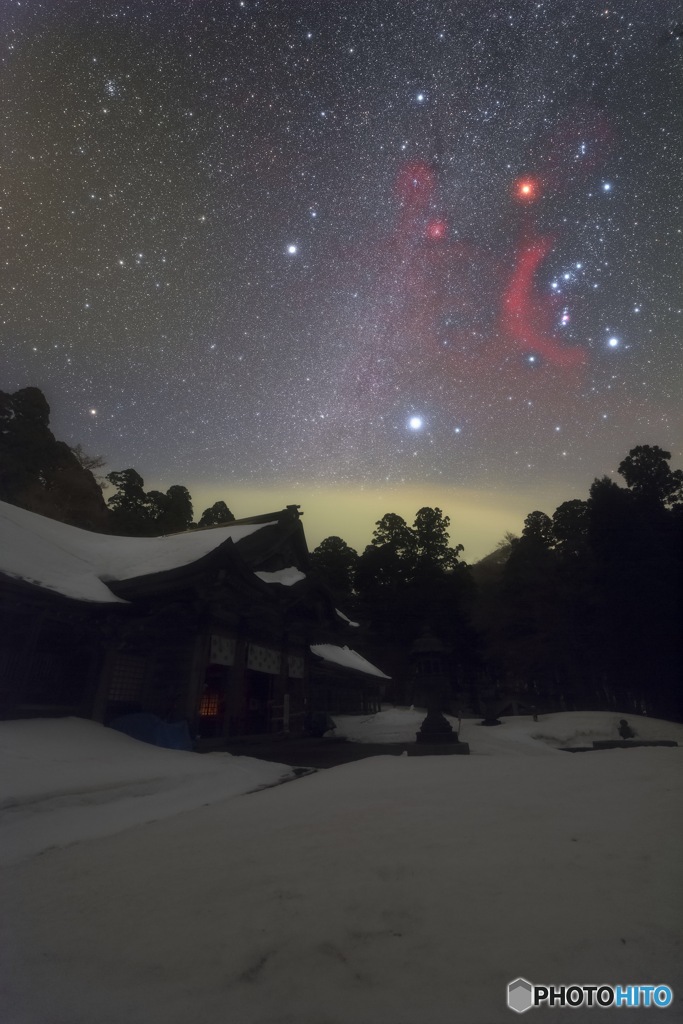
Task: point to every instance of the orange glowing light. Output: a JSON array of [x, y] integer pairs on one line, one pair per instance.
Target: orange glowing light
[[526, 190]]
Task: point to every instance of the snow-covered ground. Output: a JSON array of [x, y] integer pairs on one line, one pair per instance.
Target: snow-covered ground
[[392, 890], [66, 780], [516, 735]]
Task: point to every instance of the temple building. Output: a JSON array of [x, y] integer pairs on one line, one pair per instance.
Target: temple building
[[223, 627]]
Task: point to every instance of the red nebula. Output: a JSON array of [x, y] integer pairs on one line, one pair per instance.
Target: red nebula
[[436, 229], [442, 310], [527, 190], [526, 318], [415, 186], [416, 182]]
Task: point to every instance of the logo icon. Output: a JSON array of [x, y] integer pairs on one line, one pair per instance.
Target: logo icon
[[520, 995]]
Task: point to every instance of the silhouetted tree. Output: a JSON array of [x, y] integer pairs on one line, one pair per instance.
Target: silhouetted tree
[[140, 513], [489, 608], [570, 527], [647, 473], [538, 527], [130, 505], [41, 474], [385, 568], [399, 554], [431, 545], [337, 563], [392, 532], [529, 613], [409, 579], [217, 515], [172, 511], [91, 462]]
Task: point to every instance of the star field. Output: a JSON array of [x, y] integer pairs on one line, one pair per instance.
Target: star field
[[347, 242]]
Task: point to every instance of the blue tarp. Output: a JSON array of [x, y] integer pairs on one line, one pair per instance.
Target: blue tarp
[[151, 729]]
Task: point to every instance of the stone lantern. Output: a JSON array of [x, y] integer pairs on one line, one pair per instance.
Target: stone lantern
[[430, 660]]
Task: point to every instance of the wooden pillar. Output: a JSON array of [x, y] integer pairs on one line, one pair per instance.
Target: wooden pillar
[[236, 700], [281, 688], [306, 682], [195, 678]]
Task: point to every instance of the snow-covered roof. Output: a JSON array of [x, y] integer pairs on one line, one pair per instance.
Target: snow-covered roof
[[346, 618], [78, 563], [347, 658], [287, 577]]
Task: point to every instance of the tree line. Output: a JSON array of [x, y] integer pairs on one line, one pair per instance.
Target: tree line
[[582, 611]]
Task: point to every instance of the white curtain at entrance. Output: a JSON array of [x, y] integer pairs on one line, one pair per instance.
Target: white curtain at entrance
[[262, 659], [222, 650]]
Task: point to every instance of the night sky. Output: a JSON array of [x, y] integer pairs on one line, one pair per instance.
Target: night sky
[[361, 255]]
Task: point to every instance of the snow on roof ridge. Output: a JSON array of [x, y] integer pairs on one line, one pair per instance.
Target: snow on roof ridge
[[286, 577], [347, 658], [346, 618]]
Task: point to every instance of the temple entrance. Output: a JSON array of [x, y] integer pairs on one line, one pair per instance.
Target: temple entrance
[[259, 702], [212, 703]]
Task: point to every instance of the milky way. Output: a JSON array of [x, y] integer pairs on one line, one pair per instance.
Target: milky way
[[347, 241]]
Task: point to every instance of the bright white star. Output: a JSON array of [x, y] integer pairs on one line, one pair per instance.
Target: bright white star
[[415, 422]]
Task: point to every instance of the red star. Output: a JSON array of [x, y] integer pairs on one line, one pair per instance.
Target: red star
[[527, 190]]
